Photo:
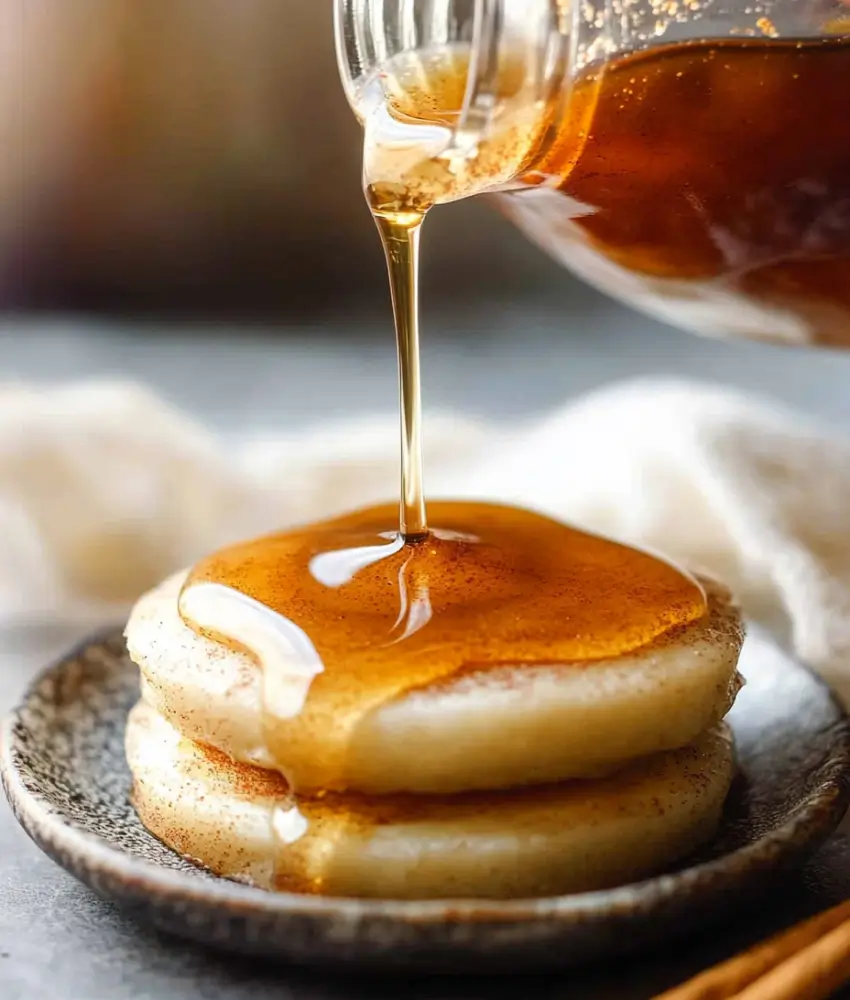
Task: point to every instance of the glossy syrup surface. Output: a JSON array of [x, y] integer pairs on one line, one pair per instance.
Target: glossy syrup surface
[[358, 618]]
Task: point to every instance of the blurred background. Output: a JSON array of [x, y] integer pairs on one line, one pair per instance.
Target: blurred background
[[181, 201], [197, 157]]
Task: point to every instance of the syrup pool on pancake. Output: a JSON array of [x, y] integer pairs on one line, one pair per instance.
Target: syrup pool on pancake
[[498, 727], [344, 616]]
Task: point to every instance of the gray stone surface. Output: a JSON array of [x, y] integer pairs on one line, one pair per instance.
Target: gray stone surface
[[57, 941]]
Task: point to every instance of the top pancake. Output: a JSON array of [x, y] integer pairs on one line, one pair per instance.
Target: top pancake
[[500, 728]]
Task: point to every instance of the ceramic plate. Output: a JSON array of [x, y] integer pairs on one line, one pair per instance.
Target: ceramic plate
[[64, 772]]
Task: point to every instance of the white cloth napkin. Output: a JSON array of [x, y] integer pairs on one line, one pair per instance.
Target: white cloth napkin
[[104, 490]]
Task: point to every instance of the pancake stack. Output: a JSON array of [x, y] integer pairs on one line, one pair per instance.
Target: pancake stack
[[514, 782]]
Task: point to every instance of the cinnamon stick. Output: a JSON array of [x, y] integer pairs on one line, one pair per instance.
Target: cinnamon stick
[[812, 974], [733, 976]]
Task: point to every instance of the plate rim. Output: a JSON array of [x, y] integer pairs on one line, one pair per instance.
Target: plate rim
[[802, 832]]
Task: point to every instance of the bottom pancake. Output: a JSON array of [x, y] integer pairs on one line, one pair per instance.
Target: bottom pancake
[[242, 822]]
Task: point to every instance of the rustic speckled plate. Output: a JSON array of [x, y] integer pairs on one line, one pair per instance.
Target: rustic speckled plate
[[64, 772]]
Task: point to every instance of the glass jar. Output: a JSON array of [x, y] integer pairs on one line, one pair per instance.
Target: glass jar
[[690, 157]]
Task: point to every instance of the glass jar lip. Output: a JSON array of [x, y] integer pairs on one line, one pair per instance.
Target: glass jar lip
[[363, 48]]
